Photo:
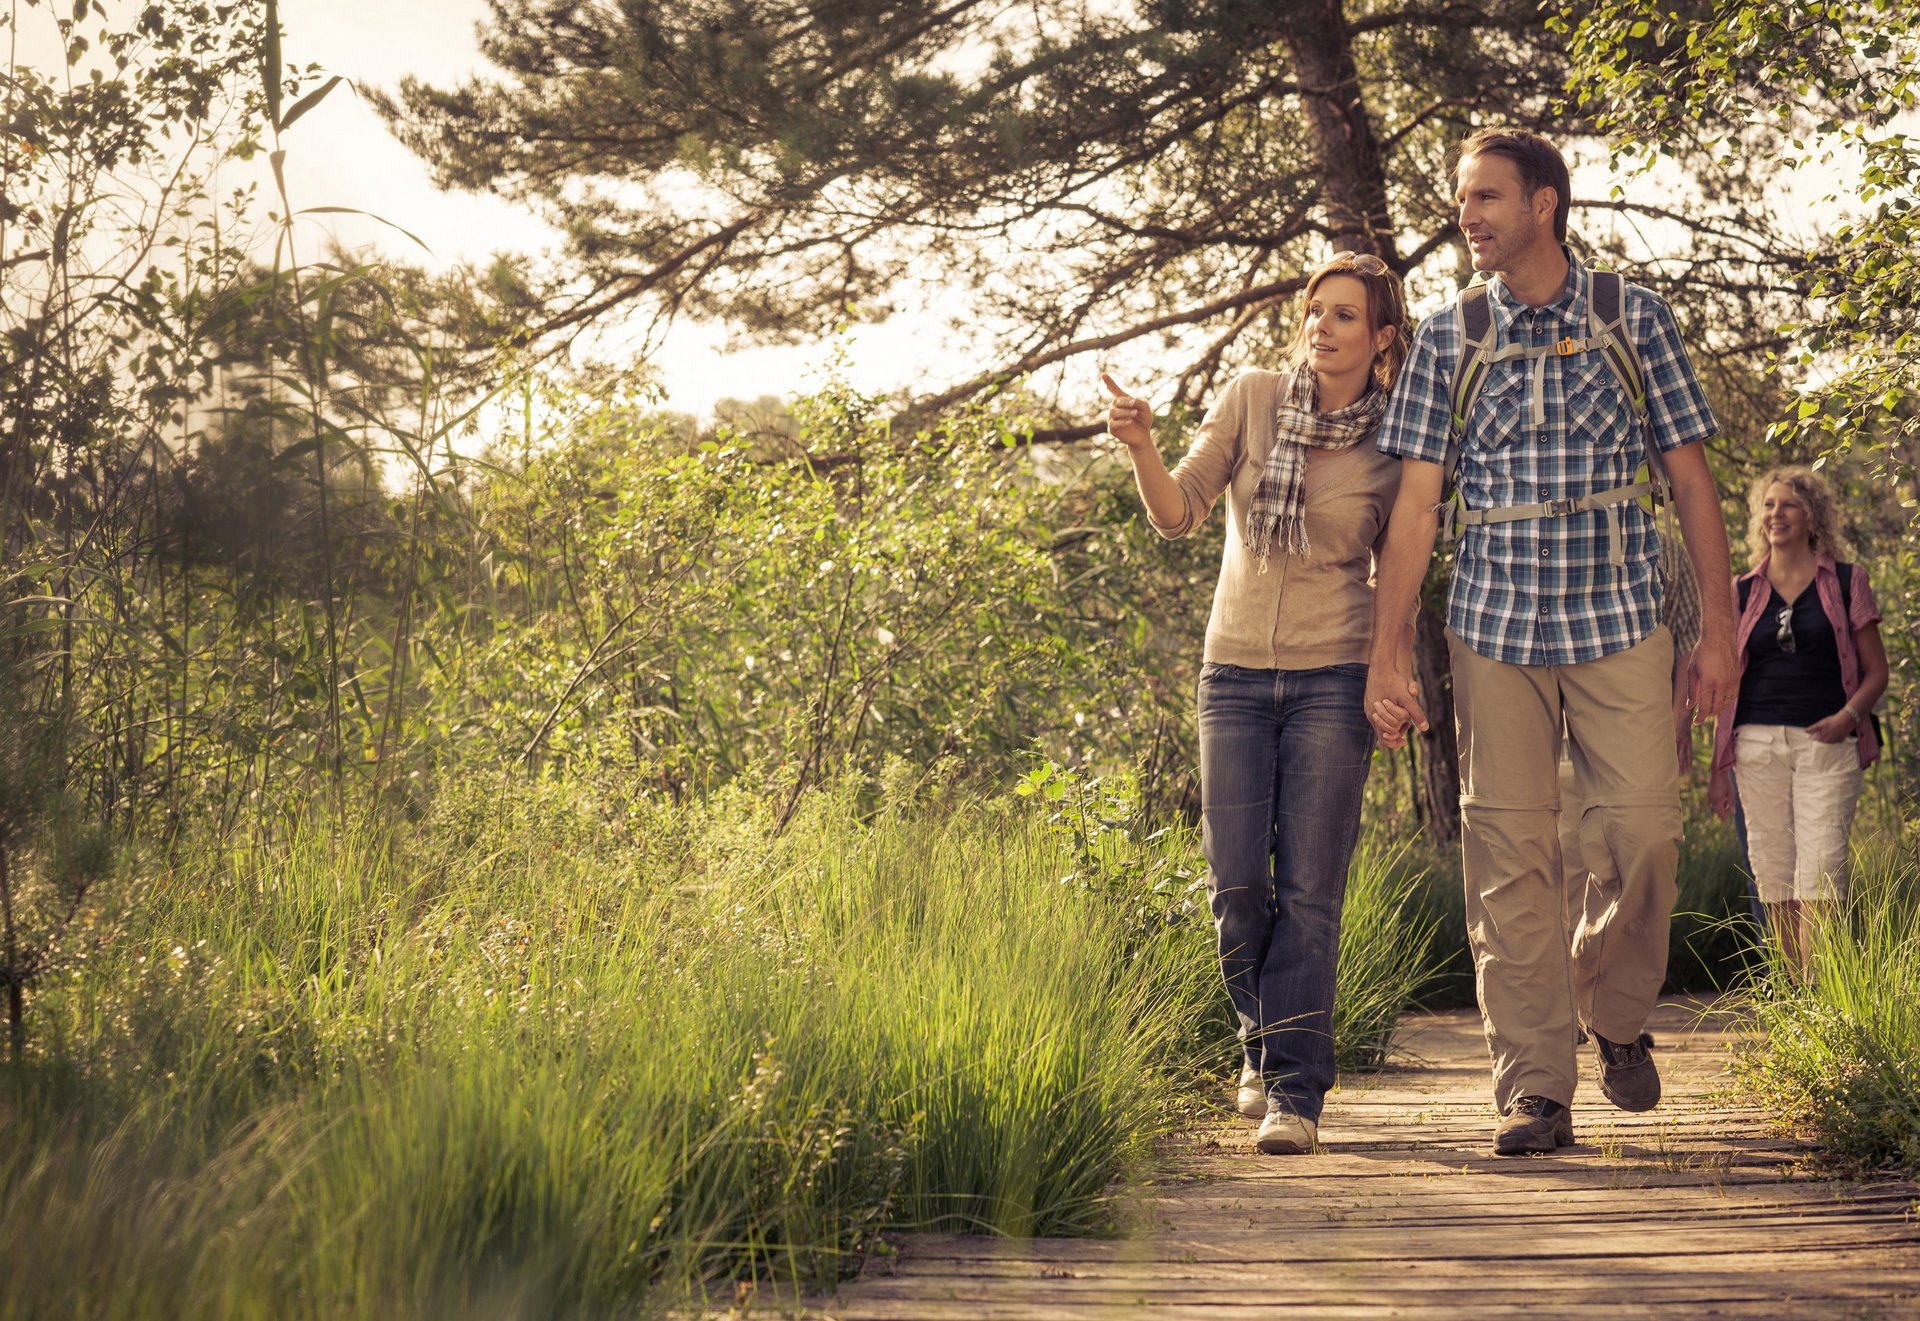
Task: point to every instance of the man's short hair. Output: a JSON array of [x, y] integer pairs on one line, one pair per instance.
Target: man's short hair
[[1539, 162]]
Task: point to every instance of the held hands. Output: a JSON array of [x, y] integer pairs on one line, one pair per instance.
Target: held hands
[[1393, 705], [1129, 420]]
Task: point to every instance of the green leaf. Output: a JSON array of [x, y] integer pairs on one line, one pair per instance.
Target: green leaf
[[310, 100], [356, 211], [270, 63]]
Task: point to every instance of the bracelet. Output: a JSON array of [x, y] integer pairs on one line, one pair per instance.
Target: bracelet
[[1852, 714]]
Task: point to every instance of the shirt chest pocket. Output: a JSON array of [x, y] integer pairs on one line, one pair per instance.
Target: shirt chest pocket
[[1499, 415], [1599, 416]]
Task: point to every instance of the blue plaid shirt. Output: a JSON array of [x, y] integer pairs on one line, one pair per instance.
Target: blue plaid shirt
[[1540, 591]]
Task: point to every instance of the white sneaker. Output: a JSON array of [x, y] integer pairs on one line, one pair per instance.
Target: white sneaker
[[1285, 1134], [1251, 1100]]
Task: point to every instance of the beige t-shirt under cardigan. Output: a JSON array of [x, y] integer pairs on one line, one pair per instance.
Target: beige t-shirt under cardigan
[[1307, 610]]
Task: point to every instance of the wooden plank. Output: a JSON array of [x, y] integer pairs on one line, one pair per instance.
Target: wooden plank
[[1809, 1278], [1249, 1303], [1250, 1308], [1848, 1259], [1486, 1245], [1463, 1292], [1696, 1209]]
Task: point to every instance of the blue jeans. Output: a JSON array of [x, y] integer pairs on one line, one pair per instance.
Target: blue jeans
[[1283, 757]]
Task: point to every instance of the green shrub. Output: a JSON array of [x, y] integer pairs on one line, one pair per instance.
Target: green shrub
[[1837, 1058], [511, 1061]]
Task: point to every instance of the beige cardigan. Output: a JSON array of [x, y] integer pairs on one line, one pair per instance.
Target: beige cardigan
[[1308, 610]]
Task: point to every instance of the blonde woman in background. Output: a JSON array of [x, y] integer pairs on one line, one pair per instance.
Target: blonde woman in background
[[1284, 741], [1797, 734]]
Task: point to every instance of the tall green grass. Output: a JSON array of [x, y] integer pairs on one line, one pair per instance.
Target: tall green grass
[[513, 1065], [1392, 951], [1711, 944], [543, 1055], [1837, 1058]]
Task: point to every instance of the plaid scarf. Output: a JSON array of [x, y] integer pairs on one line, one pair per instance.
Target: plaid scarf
[[1278, 508]]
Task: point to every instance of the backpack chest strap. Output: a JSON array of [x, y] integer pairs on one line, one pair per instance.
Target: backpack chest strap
[[1560, 348], [1604, 501], [1537, 355]]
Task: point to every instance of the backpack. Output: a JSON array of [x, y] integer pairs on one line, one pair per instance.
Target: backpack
[[1606, 334]]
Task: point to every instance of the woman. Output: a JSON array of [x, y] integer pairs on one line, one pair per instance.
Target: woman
[[1284, 746], [1797, 733]]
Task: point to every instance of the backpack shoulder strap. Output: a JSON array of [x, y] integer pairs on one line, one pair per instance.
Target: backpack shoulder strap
[[1607, 327], [1607, 324], [1473, 327], [1845, 573], [1473, 319]]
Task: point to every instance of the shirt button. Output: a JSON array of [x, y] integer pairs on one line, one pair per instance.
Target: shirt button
[[1543, 611], [1543, 552]]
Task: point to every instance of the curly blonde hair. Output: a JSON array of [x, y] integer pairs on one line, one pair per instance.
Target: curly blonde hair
[[1823, 515]]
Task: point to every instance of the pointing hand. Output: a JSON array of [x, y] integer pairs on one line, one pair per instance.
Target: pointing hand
[[1129, 420]]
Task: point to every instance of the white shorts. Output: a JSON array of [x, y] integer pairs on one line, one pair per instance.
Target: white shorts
[[1798, 795]]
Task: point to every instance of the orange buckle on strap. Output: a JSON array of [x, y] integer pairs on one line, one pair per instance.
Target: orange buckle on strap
[[1568, 347]]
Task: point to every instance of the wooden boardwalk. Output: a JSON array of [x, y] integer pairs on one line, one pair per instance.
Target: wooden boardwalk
[[1689, 1211]]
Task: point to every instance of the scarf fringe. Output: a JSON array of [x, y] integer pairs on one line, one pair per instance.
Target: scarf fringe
[[1277, 513]]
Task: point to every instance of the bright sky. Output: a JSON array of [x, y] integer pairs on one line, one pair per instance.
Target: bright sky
[[341, 155]]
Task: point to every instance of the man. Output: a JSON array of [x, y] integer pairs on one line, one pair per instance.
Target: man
[[1553, 622]]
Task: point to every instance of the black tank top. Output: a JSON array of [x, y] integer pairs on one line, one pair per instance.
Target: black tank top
[[1797, 687]]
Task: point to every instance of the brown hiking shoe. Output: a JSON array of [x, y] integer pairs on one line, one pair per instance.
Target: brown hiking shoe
[[1533, 1124], [1628, 1077]]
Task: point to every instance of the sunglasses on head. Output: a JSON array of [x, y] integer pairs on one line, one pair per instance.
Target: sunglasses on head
[[1364, 262]]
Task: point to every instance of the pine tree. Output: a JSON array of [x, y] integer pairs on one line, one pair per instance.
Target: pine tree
[[1077, 177]]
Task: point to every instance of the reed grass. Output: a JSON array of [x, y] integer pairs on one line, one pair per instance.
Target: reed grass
[[1836, 1057], [1392, 952], [511, 1068], [537, 1055]]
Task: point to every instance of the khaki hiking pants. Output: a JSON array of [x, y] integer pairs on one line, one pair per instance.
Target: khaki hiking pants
[[1616, 713]]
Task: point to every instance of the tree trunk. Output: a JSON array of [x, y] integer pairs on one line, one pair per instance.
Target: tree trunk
[[16, 999], [1353, 178], [1439, 750], [1354, 193]]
